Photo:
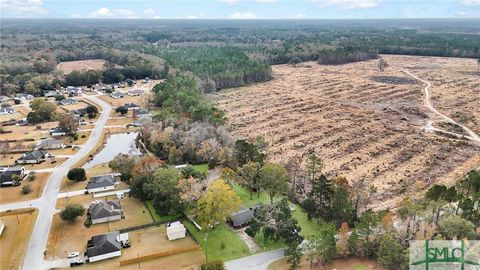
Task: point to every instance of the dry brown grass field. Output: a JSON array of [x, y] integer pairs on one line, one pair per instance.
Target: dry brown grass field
[[15, 236], [363, 123], [14, 194], [70, 66]]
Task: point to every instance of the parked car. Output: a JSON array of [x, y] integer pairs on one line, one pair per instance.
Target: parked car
[[73, 254], [76, 263], [126, 244]]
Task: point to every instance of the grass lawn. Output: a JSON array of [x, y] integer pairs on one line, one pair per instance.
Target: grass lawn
[[14, 194], [222, 243], [308, 226], [158, 218], [245, 196], [15, 237], [203, 168], [344, 264]]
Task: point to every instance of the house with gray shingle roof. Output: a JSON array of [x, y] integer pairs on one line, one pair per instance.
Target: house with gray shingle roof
[[104, 246], [7, 177], [117, 95], [48, 144], [6, 110], [101, 211], [33, 157], [242, 217], [101, 183], [68, 101]]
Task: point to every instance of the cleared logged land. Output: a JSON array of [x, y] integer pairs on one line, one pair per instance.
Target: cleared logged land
[[70, 66], [363, 123]]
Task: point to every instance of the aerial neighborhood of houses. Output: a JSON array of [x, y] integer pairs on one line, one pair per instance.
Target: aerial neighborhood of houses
[[46, 132]]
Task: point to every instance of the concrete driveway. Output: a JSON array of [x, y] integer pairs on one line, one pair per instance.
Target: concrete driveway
[[258, 261]]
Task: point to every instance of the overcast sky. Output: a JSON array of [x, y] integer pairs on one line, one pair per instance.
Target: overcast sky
[[240, 9]]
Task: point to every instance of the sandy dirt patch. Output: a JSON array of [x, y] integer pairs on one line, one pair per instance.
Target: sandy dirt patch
[[70, 66]]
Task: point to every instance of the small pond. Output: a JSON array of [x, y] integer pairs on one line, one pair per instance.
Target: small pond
[[123, 143]]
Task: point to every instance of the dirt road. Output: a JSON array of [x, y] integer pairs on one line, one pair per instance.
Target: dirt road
[[471, 135]]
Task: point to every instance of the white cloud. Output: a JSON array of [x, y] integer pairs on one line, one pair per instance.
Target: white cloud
[[297, 16], [157, 17], [470, 2], [242, 16], [25, 8], [76, 16], [149, 11], [349, 4], [191, 17], [105, 12], [234, 2], [229, 2]]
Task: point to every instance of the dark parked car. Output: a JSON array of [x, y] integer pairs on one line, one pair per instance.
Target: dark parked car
[[76, 263]]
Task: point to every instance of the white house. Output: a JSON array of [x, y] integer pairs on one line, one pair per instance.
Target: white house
[[33, 157], [100, 211], [135, 93], [58, 132], [104, 246], [176, 230], [117, 95], [48, 144], [101, 183], [68, 101], [6, 110]]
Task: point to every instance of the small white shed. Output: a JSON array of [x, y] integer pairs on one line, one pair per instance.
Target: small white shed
[[176, 230]]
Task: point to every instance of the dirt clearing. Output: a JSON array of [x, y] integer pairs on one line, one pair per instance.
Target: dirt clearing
[[364, 124], [70, 66]]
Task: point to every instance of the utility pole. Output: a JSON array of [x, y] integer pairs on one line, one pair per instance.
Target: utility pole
[[206, 246]]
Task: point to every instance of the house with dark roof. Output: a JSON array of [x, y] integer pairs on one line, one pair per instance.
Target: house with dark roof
[[117, 95], [72, 90], [58, 131], [22, 97], [8, 178], [101, 183], [50, 93], [101, 211], [68, 101], [242, 217], [33, 157], [104, 246], [131, 106], [49, 144], [135, 93], [6, 110]]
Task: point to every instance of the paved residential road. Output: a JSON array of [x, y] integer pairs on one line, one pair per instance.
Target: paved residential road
[[258, 261], [34, 258]]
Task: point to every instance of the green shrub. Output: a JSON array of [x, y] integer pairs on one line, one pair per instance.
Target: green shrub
[[26, 189], [72, 211], [213, 265], [77, 174]]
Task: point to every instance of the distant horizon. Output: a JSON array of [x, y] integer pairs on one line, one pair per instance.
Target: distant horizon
[[241, 9], [227, 19]]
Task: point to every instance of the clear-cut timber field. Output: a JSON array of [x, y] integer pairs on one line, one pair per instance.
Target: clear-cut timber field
[[367, 124]]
